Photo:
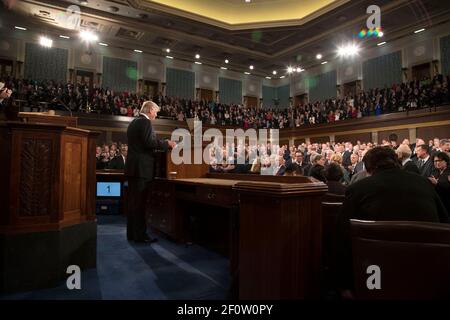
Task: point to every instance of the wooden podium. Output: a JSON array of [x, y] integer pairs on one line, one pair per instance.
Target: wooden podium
[[47, 203]]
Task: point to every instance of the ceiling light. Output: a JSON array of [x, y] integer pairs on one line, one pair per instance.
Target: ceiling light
[[274, 72], [290, 69], [138, 51], [318, 56], [251, 67], [247, 72], [381, 43], [226, 61], [269, 78], [299, 69], [348, 50], [45, 42], [83, 2], [20, 28], [64, 37], [88, 36], [380, 34], [102, 44], [282, 77], [325, 62], [168, 50], [248, 1], [420, 30], [169, 57], [197, 62], [197, 56], [223, 68]]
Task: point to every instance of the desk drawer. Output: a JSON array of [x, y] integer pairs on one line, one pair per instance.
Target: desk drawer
[[216, 196]]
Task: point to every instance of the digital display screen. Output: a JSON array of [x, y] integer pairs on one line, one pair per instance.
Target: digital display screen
[[108, 189]]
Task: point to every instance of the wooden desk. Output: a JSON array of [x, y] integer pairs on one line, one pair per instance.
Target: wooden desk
[[275, 228]]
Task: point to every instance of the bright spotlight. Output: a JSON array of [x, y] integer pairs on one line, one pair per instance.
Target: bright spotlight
[[226, 61], [251, 67], [318, 56], [348, 50], [197, 56], [88, 36], [290, 69], [274, 72], [380, 34], [45, 42]]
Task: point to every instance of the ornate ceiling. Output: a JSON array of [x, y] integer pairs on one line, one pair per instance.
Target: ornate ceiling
[[152, 27]]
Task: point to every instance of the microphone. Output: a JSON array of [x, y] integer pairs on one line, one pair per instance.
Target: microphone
[[63, 104]]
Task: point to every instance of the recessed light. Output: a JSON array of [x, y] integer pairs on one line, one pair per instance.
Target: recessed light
[[380, 34], [20, 28], [348, 50], [324, 62], [274, 72], [169, 57], [197, 56], [299, 69], [290, 69], [318, 56], [168, 50], [381, 43], [269, 78], [197, 62], [138, 51], [223, 68], [282, 77], [248, 1], [251, 67], [226, 61], [247, 72], [102, 44], [420, 30], [64, 37]]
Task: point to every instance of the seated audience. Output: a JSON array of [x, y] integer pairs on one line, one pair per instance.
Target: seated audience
[[318, 170], [119, 161], [389, 193]]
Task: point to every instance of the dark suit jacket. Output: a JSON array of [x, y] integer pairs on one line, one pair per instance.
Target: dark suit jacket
[[443, 188], [142, 144], [317, 171], [117, 163], [427, 169], [346, 158], [393, 194], [410, 166]]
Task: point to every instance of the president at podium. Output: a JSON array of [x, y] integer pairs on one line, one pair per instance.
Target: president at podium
[[139, 168]]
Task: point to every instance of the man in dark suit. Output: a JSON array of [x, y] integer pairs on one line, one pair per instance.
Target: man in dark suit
[[404, 156], [424, 161], [119, 161], [389, 194], [139, 168], [298, 164]]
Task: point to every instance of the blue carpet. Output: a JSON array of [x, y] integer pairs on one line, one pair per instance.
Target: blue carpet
[[160, 271]]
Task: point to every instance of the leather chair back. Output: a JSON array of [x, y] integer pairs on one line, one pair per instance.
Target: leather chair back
[[413, 257]]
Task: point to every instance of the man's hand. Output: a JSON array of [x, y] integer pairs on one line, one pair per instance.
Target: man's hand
[[6, 93], [433, 180], [172, 144]]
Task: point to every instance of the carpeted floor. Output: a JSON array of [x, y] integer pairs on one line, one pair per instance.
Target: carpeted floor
[[125, 270]]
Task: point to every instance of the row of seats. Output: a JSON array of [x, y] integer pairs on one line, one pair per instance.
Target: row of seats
[[413, 257]]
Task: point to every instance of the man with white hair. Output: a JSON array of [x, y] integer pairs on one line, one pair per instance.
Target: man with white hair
[[404, 155], [139, 168]]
